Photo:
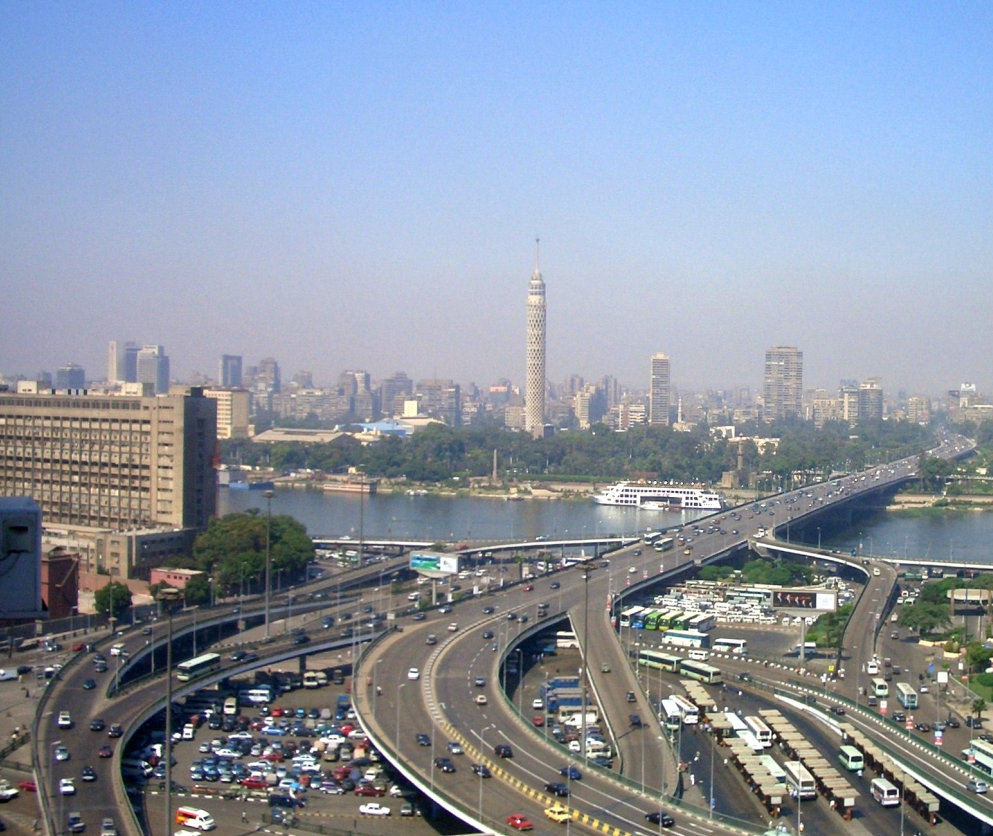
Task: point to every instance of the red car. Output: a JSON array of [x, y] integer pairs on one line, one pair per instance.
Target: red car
[[275, 757], [539, 721], [78, 646], [519, 822], [529, 587], [28, 786], [275, 711], [253, 783], [370, 789]]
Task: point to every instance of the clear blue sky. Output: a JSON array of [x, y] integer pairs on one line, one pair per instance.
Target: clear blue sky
[[358, 185]]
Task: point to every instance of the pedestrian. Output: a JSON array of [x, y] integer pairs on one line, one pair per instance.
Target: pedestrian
[[692, 779], [244, 816]]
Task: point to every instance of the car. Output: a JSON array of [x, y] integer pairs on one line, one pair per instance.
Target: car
[[973, 722], [519, 822], [28, 786], [529, 587], [97, 724], [952, 723], [116, 730], [454, 747], [503, 750], [838, 709], [88, 774], [431, 639], [554, 585], [413, 673], [481, 699], [303, 638], [237, 656], [658, 818], [899, 717], [61, 753], [419, 616], [67, 786], [444, 764], [557, 788], [571, 772], [423, 740], [108, 828], [482, 770], [745, 676], [922, 727], [453, 627], [977, 786], [89, 684], [374, 808], [65, 720], [488, 634], [872, 700], [488, 610], [444, 609], [251, 783], [922, 688], [635, 721], [75, 823], [105, 751], [558, 814], [370, 790], [539, 720], [630, 697], [602, 761], [480, 681]]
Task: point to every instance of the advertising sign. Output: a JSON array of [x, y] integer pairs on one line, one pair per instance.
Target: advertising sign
[[805, 599], [433, 564]]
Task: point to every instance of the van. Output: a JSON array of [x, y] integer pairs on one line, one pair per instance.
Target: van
[[699, 655], [230, 706], [310, 680], [7, 673], [117, 649], [189, 732], [338, 676], [194, 817]]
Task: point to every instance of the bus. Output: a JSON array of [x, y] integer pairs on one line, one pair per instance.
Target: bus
[[652, 619], [774, 769], [851, 758], [670, 618], [700, 671], [761, 731], [980, 755], [880, 687], [690, 713], [663, 545], [670, 715], [799, 780], [201, 665], [566, 640], [659, 660], [651, 537], [906, 695], [686, 638], [751, 742], [738, 727], [737, 646], [258, 695], [628, 614], [885, 793]]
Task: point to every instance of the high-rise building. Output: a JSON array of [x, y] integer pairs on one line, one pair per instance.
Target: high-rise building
[[229, 371], [870, 399], [782, 388], [234, 406], [394, 391], [267, 378], [658, 391], [111, 462], [70, 376], [122, 362], [534, 391], [153, 367]]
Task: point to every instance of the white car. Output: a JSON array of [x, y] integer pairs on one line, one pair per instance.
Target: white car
[[480, 699], [374, 809], [67, 786], [65, 720], [413, 673]]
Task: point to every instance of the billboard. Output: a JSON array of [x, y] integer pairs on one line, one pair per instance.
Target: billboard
[[804, 599], [434, 564]]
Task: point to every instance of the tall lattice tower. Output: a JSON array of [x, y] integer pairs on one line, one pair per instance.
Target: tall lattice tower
[[534, 394]]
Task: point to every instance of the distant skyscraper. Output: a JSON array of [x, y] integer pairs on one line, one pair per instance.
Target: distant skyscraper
[[122, 362], [153, 367], [782, 388], [268, 377], [534, 392], [871, 399], [658, 392], [229, 371], [70, 376]]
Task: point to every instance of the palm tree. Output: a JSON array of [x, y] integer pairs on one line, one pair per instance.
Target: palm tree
[[978, 707]]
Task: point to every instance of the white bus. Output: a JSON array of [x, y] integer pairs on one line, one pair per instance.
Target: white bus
[[689, 711], [255, 696], [981, 753], [752, 742], [851, 758], [566, 640], [885, 793], [738, 727], [738, 646], [199, 666], [906, 695], [774, 769], [799, 780], [670, 715], [761, 731]]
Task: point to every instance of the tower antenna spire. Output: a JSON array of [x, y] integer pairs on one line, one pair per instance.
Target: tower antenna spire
[[537, 253]]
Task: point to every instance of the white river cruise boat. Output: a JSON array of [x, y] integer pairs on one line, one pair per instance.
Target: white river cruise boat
[[658, 496]]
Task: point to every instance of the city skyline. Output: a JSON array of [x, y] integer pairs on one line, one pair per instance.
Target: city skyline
[[355, 188]]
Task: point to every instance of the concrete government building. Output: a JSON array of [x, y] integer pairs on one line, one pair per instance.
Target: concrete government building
[[122, 480]]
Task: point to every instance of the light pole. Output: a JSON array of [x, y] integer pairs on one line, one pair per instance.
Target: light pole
[[587, 568], [167, 597], [268, 554], [55, 745], [482, 743], [396, 745], [818, 537]]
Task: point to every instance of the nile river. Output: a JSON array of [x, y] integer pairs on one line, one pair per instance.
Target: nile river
[[965, 536]]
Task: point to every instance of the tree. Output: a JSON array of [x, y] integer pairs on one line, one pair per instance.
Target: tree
[[924, 616], [197, 591], [978, 707], [114, 598]]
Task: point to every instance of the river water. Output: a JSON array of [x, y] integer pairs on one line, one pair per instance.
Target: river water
[[950, 535]]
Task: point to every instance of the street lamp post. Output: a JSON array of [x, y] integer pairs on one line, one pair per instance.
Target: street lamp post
[[482, 743], [167, 597], [587, 568], [396, 744], [818, 537], [268, 555]]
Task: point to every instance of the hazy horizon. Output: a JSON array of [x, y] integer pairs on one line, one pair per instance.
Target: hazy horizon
[[360, 187]]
